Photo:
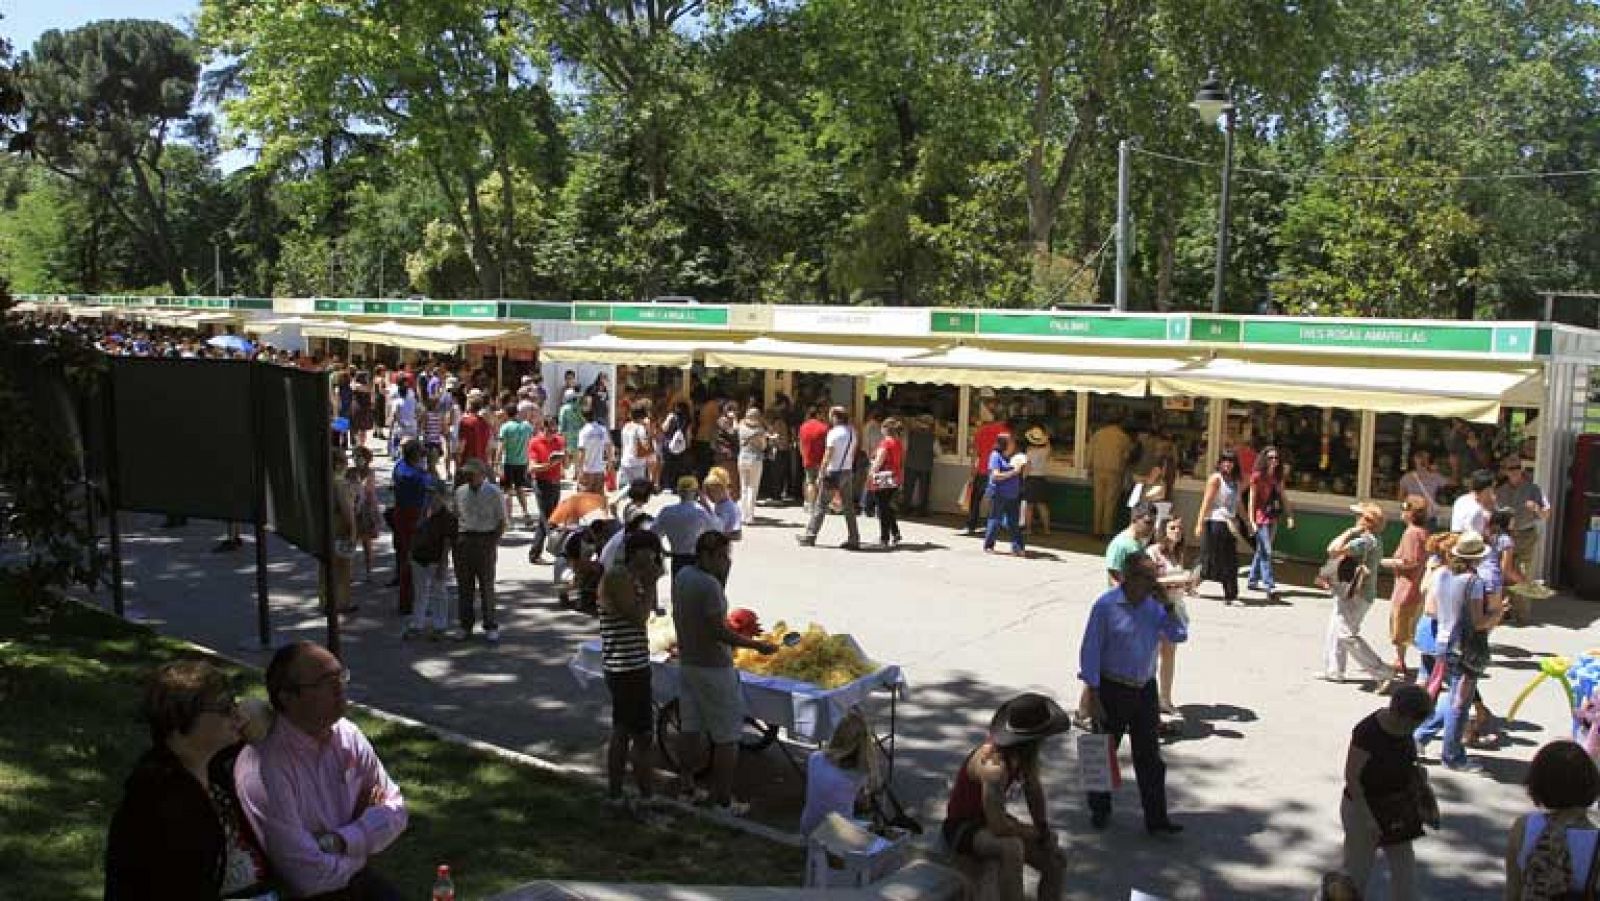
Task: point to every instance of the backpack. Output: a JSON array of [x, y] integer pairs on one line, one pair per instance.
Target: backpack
[[1548, 874], [678, 442]]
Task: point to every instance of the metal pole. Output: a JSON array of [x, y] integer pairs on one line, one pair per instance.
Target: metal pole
[[1222, 218], [263, 621], [380, 272], [1124, 225], [114, 491]]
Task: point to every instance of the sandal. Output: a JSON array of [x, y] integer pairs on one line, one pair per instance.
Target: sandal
[[1482, 733]]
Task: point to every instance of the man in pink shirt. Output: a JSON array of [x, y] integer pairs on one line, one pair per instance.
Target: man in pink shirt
[[313, 789]]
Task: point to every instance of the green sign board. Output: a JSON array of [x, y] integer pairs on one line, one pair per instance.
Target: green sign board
[[1356, 335], [1220, 331], [559, 312], [652, 314], [1067, 325], [953, 322]]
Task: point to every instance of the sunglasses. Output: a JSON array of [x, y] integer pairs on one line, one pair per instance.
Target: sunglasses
[[226, 707]]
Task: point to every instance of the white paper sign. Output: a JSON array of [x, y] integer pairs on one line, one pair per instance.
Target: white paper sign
[[1094, 761]]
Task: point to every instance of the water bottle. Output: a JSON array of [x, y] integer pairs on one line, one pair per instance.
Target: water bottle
[[443, 888]]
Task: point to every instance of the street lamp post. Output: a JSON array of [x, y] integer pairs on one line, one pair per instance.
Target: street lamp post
[[1211, 102]]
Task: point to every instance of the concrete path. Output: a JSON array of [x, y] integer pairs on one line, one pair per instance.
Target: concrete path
[[1255, 778]]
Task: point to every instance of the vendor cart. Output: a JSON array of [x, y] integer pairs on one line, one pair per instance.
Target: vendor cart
[[800, 713]]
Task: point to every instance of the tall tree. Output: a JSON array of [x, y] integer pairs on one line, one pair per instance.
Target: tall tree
[[463, 82], [102, 104]]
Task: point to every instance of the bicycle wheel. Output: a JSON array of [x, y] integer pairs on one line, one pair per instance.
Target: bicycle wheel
[[756, 737]]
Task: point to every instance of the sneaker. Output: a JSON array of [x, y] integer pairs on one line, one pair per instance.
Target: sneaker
[[492, 635], [1337, 678], [803, 541], [1253, 586], [1466, 766]]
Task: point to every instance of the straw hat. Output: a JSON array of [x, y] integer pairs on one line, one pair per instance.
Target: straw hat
[[1037, 437], [1470, 546]]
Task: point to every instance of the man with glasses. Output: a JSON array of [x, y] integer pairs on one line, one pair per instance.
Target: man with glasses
[[314, 789]]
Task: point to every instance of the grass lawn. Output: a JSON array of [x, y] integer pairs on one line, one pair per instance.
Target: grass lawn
[[69, 734]]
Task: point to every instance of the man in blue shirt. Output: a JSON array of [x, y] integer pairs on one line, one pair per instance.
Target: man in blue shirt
[[1117, 664]]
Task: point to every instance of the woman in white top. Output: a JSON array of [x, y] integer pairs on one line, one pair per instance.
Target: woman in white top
[[839, 777], [1167, 552], [752, 459], [1219, 509], [1564, 783]]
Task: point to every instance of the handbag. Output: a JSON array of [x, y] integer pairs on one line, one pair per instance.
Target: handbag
[[1397, 817], [883, 479]]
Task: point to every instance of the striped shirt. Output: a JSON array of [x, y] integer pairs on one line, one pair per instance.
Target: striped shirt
[[624, 646]]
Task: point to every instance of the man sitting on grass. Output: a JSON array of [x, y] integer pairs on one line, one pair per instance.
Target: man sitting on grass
[[314, 789]]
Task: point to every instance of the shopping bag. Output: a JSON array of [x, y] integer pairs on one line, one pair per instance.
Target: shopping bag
[[1097, 762]]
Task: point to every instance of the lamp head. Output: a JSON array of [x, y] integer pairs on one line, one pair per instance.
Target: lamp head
[[1211, 100]]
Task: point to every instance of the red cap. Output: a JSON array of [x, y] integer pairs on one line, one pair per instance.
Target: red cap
[[743, 620]]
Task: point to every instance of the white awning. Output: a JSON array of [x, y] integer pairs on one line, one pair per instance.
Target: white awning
[[620, 351], [326, 328], [799, 356], [1474, 394], [441, 338], [263, 326], [979, 367]]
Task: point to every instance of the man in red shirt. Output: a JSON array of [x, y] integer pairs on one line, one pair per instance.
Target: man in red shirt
[[812, 437], [474, 434], [991, 429], [546, 457]]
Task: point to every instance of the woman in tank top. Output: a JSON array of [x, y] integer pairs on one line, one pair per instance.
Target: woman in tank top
[[1219, 555], [1564, 783]]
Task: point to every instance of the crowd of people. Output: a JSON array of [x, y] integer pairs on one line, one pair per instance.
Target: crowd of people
[[280, 811]]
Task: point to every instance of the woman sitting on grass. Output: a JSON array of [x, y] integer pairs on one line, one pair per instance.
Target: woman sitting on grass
[[179, 832]]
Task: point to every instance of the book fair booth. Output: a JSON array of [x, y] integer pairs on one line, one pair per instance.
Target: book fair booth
[[1348, 402]]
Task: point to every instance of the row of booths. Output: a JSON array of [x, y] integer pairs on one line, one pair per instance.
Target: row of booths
[[1347, 401]]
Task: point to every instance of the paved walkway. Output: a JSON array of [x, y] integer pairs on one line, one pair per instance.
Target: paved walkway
[[1255, 778]]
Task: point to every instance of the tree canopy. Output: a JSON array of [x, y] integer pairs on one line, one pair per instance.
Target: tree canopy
[[1430, 158]]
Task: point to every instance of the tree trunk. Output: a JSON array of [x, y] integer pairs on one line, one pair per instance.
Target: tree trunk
[[1166, 255], [159, 234]]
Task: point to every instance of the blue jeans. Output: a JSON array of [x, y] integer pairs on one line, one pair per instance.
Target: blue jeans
[[1005, 511], [1450, 713], [1261, 563]]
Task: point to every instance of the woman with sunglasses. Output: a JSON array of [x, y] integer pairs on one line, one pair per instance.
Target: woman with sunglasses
[[179, 831], [1269, 505]]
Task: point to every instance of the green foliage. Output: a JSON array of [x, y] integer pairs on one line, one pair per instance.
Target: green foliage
[[43, 375], [101, 105], [840, 151]]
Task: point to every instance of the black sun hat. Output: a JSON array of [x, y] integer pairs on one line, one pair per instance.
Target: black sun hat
[[1026, 718]]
